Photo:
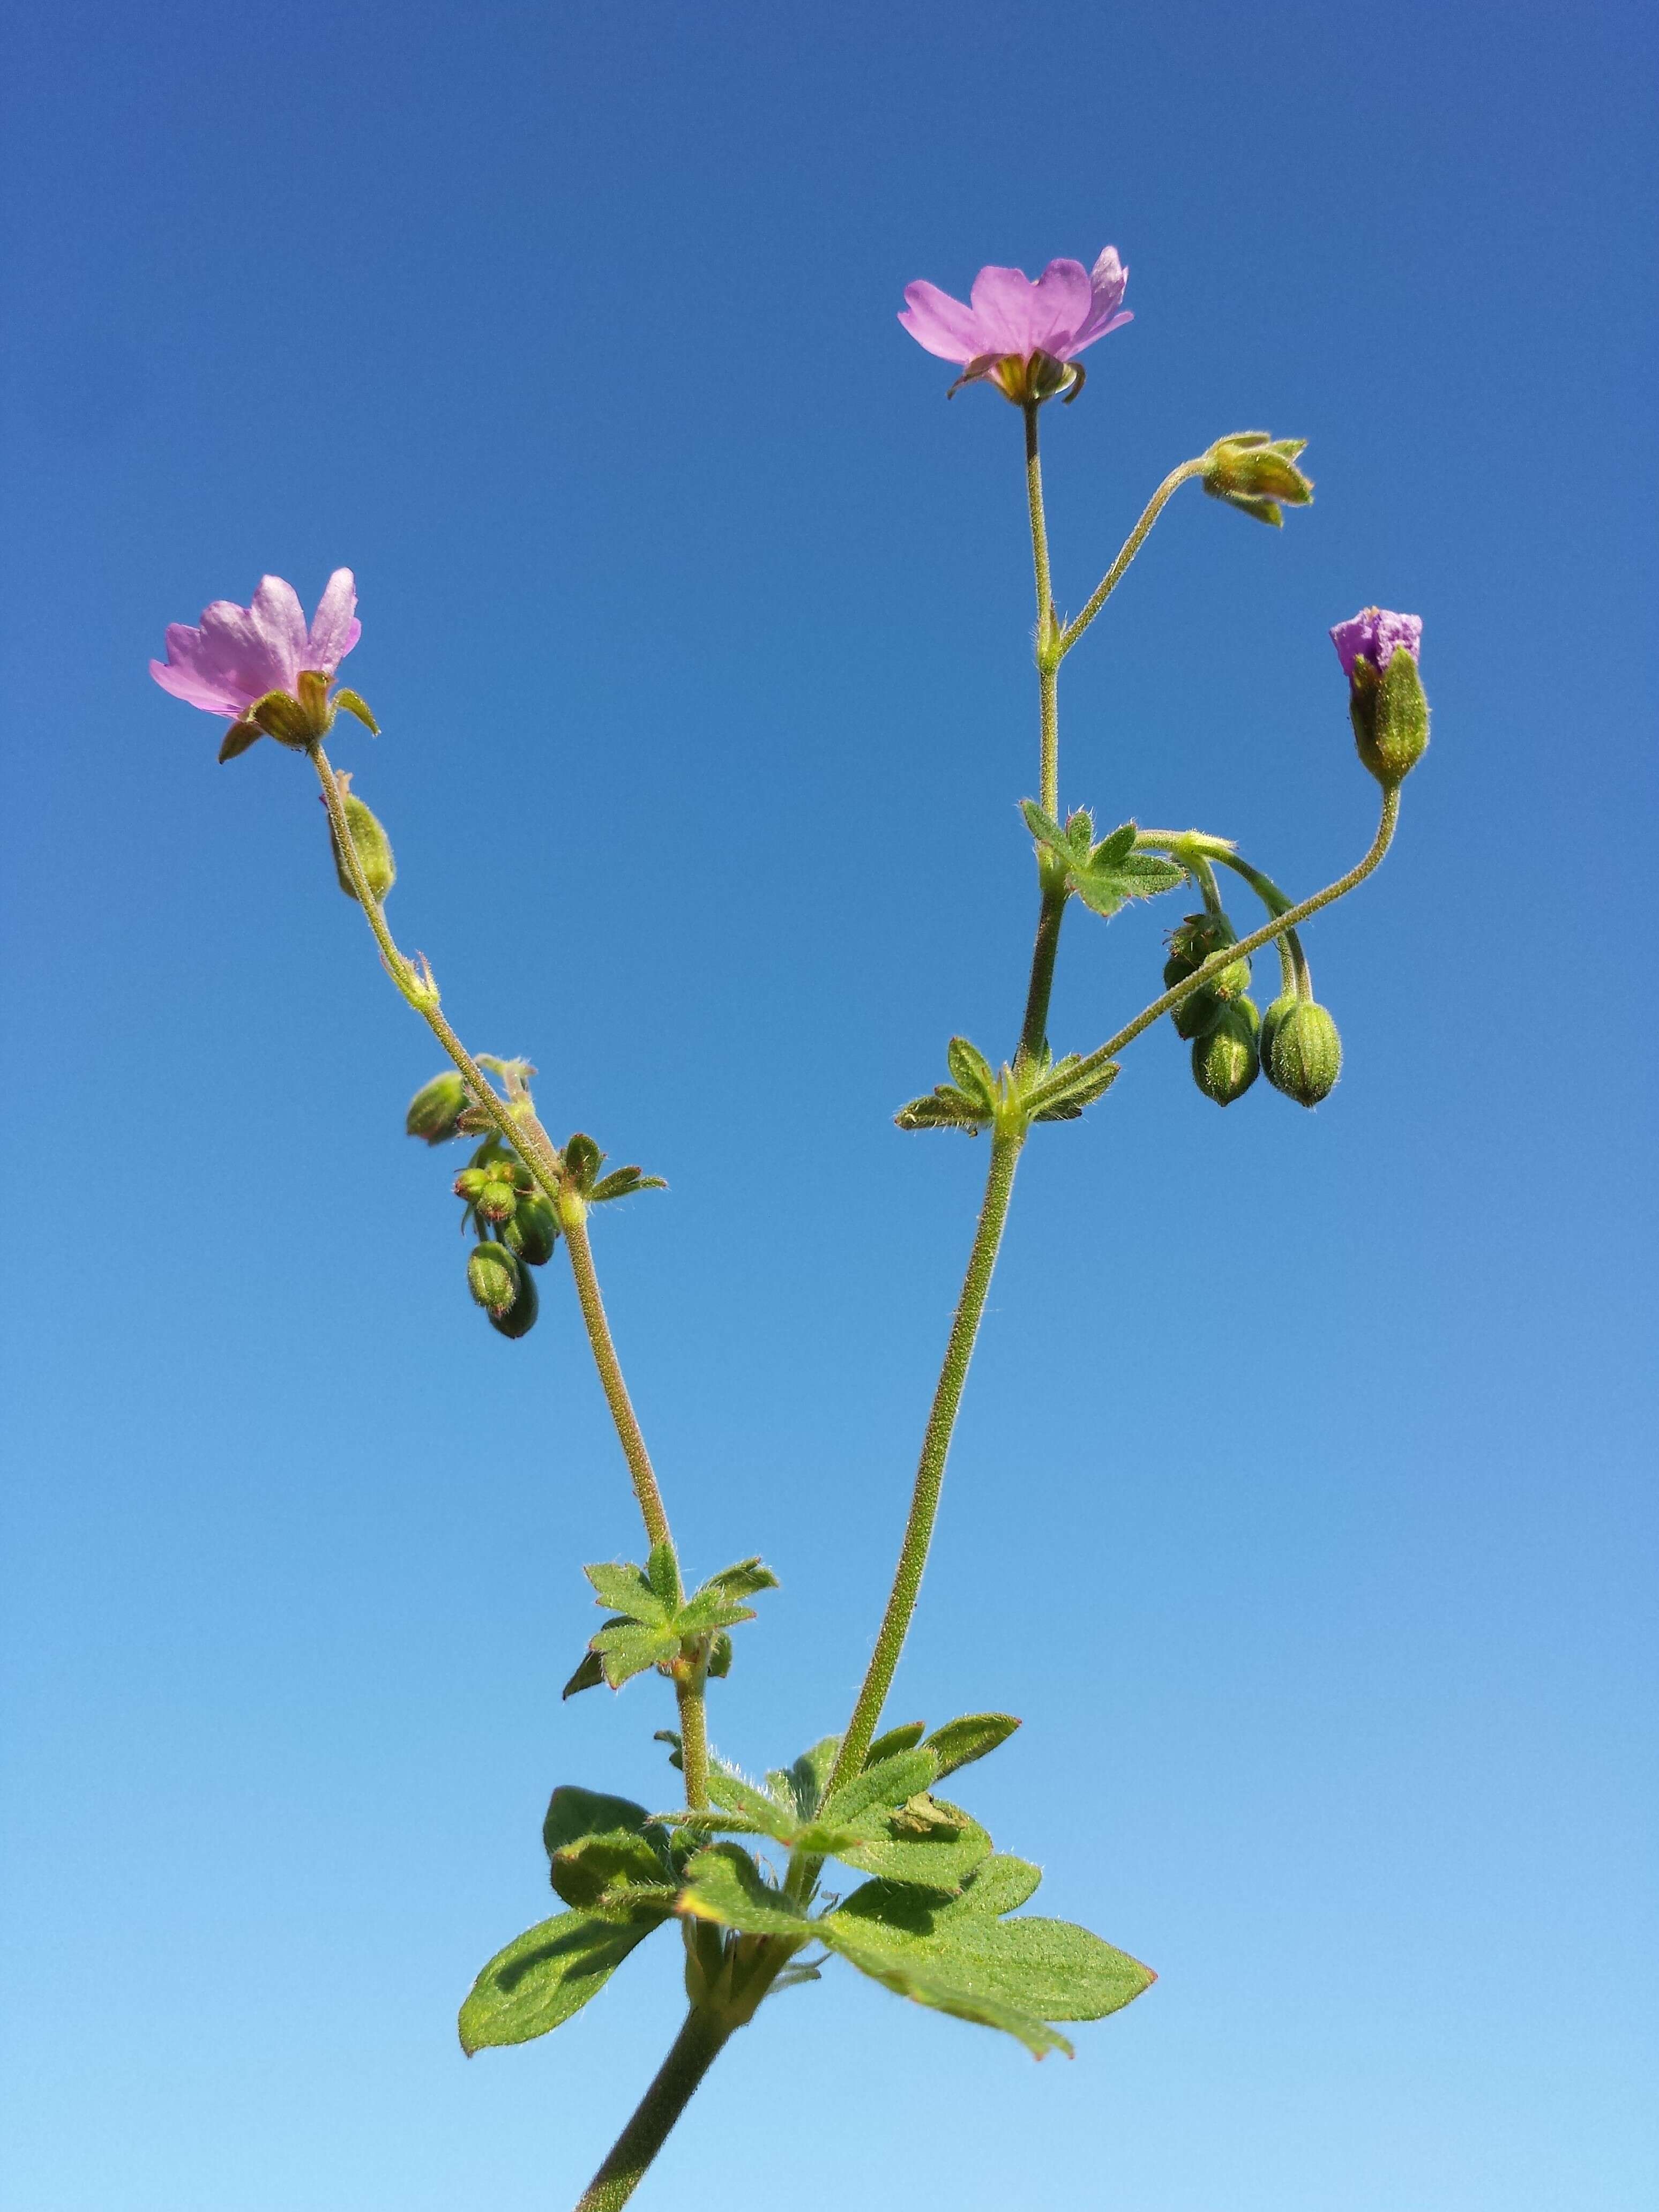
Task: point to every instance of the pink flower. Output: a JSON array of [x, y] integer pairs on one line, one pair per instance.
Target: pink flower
[[240, 655], [1377, 634], [1024, 337]]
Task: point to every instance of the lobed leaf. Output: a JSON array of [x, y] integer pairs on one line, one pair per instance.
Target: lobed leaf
[[624, 1589]]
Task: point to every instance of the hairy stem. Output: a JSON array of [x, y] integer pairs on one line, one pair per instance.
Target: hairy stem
[[573, 1220], [524, 1134], [1132, 545], [694, 1738], [694, 2049], [1048, 658], [930, 1472], [1052, 913], [1257, 939]]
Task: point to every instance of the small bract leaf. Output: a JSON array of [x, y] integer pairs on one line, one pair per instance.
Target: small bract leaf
[[959, 1742], [588, 1676], [542, 1976]]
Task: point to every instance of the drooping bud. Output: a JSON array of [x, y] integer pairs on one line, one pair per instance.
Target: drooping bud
[[1199, 938], [1253, 472], [1386, 704], [436, 1107], [532, 1231], [494, 1278], [1301, 1050], [520, 1316], [373, 846], [1226, 1061]]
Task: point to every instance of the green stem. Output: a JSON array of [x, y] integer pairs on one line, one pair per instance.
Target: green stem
[[1257, 939], [525, 1135], [1052, 913], [1048, 656], [573, 1221], [1296, 975], [930, 1472], [1132, 545], [693, 1737], [695, 2051]]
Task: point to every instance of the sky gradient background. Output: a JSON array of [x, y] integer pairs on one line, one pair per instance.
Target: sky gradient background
[[1304, 1499]]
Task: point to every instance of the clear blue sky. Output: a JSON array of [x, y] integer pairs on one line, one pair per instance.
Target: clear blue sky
[[1304, 1501]]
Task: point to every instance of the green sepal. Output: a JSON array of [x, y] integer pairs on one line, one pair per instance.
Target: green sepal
[[1253, 472], [959, 1742], [542, 1976], [239, 736], [353, 704]]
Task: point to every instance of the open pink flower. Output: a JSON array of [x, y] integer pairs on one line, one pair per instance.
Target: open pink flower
[[1023, 336], [241, 654]]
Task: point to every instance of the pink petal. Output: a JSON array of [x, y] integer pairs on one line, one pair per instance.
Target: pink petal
[[334, 629], [1059, 307], [941, 323], [235, 652], [1002, 300], [1108, 282], [196, 690], [280, 619]]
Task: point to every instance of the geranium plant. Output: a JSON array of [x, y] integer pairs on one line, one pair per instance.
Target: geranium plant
[[737, 1871]]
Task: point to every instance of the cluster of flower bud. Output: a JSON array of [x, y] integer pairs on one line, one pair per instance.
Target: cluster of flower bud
[[1295, 1045], [517, 1230]]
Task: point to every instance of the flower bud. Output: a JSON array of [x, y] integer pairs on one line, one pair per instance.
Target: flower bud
[[496, 1199], [1199, 936], [494, 1278], [1226, 1062], [532, 1231], [373, 847], [1253, 472], [1301, 1050], [471, 1182], [520, 1316], [436, 1107], [1387, 705]]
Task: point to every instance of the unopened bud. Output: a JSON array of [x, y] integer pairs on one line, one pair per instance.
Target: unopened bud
[[494, 1278], [1253, 472], [532, 1232], [1226, 1062], [1199, 938], [496, 1201], [520, 1316], [373, 846], [1386, 704], [1301, 1050], [436, 1107], [471, 1182]]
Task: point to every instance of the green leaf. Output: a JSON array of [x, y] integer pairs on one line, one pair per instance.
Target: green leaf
[[1080, 832], [959, 1743], [724, 1885], [621, 1876], [1047, 831], [662, 1571], [959, 1954], [675, 1748], [628, 1651], [889, 1782], [1062, 1094], [707, 1610], [584, 1159], [588, 1676], [929, 1842], [573, 1813], [623, 1183], [719, 1656], [1114, 849], [744, 1580], [946, 1108], [905, 1737], [972, 1072], [624, 1589], [730, 1793], [802, 1784], [542, 1976]]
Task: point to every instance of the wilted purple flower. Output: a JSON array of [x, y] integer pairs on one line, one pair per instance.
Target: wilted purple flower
[[1023, 336], [1377, 633], [240, 655]]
